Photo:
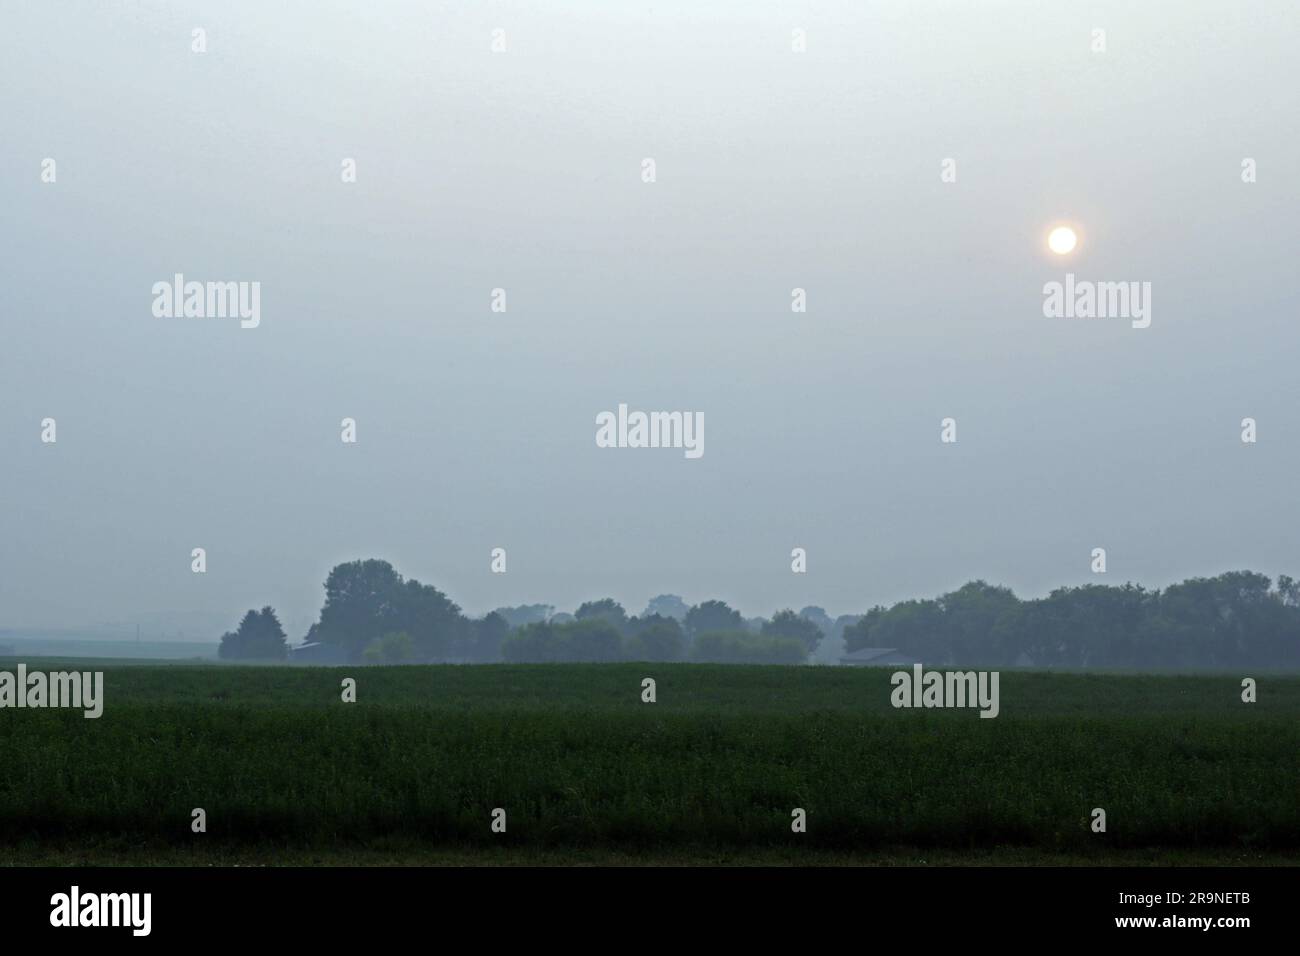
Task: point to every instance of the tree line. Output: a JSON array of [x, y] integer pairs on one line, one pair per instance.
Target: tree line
[[372, 614], [1235, 619]]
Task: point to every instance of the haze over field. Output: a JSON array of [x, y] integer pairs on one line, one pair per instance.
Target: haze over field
[[522, 171]]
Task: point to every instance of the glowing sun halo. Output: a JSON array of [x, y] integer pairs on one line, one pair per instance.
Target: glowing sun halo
[[1062, 240]]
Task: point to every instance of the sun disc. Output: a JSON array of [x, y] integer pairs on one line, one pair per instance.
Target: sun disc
[[1062, 240]]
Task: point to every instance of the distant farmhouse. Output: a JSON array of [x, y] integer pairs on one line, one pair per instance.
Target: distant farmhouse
[[318, 653], [889, 656], [877, 657]]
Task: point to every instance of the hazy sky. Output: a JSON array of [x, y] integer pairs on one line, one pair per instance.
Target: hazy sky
[[522, 170]]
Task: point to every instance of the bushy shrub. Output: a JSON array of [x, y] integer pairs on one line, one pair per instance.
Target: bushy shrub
[[655, 638], [395, 648], [592, 639], [742, 647]]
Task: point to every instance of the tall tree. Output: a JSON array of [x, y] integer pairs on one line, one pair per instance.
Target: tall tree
[[789, 624], [606, 609], [713, 616], [366, 600], [525, 614], [259, 637], [667, 605]]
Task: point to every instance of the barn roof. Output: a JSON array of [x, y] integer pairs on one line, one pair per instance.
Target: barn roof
[[869, 653]]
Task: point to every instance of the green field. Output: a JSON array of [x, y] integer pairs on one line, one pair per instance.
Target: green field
[[587, 773]]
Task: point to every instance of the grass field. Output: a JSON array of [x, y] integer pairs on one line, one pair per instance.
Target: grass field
[[587, 773]]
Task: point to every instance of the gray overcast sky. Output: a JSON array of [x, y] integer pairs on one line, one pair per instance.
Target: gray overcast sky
[[522, 170]]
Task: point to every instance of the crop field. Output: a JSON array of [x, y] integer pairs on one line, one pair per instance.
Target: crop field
[[587, 772]]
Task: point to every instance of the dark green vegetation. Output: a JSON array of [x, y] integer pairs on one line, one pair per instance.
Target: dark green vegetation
[[586, 771], [1234, 620], [374, 615], [259, 636]]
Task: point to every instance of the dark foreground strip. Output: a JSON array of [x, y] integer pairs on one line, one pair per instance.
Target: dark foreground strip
[[335, 905]]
